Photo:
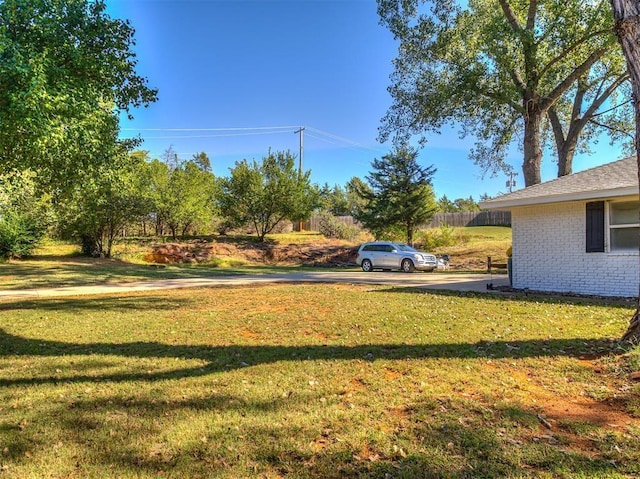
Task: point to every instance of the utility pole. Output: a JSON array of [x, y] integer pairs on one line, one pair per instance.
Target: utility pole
[[511, 182], [301, 131]]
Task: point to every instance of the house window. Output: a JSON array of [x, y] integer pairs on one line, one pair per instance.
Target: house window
[[624, 226], [595, 227]]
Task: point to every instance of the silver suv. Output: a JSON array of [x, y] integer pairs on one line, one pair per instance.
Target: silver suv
[[389, 255]]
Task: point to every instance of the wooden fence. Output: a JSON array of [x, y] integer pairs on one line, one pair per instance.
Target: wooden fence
[[314, 223], [480, 218]]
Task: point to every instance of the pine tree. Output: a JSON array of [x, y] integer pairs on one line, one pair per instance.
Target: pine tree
[[400, 195]]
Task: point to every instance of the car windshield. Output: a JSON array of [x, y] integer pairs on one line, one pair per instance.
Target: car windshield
[[405, 247]]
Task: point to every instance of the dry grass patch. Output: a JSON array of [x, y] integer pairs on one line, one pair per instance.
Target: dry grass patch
[[315, 381]]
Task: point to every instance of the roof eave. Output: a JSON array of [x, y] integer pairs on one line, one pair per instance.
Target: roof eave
[[498, 204]]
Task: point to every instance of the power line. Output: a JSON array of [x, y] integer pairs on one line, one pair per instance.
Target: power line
[[214, 129], [342, 139], [326, 140], [209, 136], [250, 131]]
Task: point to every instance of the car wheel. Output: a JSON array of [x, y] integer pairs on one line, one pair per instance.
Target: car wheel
[[367, 266], [407, 266]]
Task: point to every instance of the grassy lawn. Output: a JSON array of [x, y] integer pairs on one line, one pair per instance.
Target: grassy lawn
[[474, 244], [316, 381], [50, 272], [59, 264]]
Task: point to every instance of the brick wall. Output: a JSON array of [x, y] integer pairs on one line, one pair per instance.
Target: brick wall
[[549, 254]]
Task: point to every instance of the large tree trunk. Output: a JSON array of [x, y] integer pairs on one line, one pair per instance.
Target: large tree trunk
[[532, 144], [627, 28], [565, 157], [409, 229], [565, 145]]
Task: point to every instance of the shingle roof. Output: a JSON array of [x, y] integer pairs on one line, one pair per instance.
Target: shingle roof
[[619, 178]]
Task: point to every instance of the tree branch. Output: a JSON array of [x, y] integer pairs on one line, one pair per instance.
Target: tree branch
[[611, 109], [517, 79], [531, 15], [611, 128], [558, 132], [566, 52], [503, 100], [597, 103], [577, 100], [550, 99], [511, 16]]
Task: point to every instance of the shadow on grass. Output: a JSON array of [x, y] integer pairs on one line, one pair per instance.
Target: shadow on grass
[[95, 272], [533, 296], [438, 447], [82, 273], [99, 303], [225, 358]]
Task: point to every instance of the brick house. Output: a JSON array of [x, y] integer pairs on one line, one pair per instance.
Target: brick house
[[579, 233]]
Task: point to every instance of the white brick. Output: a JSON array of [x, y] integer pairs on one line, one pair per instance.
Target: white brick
[[549, 254]]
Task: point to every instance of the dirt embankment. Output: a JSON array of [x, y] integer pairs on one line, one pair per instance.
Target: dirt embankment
[[308, 254]]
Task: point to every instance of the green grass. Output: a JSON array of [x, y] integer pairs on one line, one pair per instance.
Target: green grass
[[315, 381], [474, 244], [34, 273], [57, 264], [60, 264]]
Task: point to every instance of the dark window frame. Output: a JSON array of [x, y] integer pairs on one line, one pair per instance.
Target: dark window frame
[[595, 227]]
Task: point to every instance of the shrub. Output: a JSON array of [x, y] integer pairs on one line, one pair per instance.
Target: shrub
[[437, 237], [19, 234], [23, 214], [330, 227]]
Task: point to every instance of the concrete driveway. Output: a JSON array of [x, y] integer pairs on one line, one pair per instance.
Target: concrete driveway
[[435, 281]]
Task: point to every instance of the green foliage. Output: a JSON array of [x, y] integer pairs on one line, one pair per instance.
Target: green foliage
[[441, 237], [263, 194], [19, 234], [203, 161], [459, 205], [24, 214], [334, 200], [497, 69], [182, 194], [94, 213], [355, 191], [66, 72], [445, 205], [399, 196], [331, 227]]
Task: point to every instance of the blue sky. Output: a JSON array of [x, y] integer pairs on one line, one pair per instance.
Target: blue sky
[[237, 77]]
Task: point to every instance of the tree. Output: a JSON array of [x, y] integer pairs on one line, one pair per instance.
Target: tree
[[576, 118], [193, 191], [356, 190], [334, 200], [627, 27], [498, 71], [24, 214], [66, 72], [266, 193], [459, 205], [182, 194], [466, 204], [98, 208], [400, 194], [445, 205], [202, 160]]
